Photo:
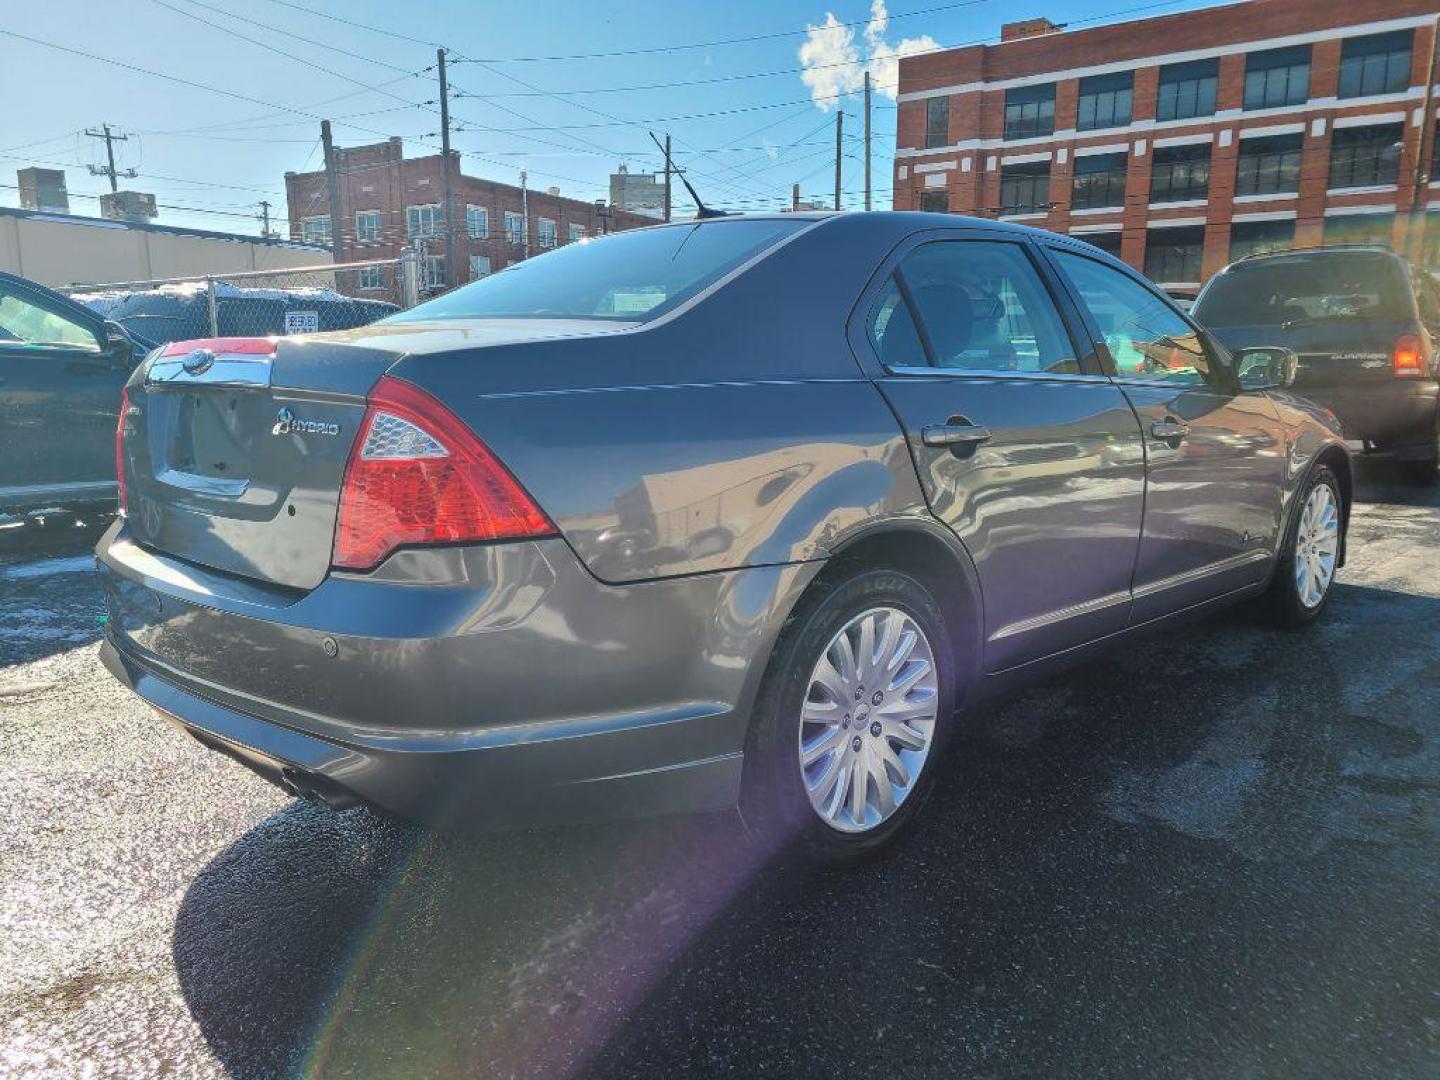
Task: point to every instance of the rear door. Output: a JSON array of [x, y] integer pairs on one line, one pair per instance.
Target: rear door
[[60, 380], [1215, 455], [1034, 460]]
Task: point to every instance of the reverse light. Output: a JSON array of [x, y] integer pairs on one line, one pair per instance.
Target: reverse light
[[1408, 359], [418, 475], [120, 448]]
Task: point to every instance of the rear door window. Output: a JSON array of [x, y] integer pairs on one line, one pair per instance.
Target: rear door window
[[1144, 335], [982, 308]]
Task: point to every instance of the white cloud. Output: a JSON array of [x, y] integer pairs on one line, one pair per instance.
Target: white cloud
[[832, 64]]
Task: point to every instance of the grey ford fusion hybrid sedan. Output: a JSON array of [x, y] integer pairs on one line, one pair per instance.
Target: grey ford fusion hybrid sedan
[[731, 512]]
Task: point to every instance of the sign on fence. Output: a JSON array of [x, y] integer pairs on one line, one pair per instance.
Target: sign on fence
[[302, 322]]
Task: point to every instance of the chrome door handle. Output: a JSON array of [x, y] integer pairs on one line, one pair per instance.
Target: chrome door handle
[[954, 434], [1169, 429]]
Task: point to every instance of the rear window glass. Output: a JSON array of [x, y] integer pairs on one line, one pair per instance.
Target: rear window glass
[[625, 277], [1302, 289]]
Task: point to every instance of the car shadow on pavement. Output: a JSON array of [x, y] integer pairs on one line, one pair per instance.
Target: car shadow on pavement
[[1211, 855]]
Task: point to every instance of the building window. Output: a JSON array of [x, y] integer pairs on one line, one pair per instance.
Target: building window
[[935, 202], [1025, 189], [315, 230], [1275, 78], [937, 122], [477, 222], [1375, 64], [514, 228], [1257, 237], [1099, 181], [1030, 111], [1173, 256], [1359, 229], [479, 266], [545, 233], [433, 272], [1108, 242], [1180, 173], [424, 221], [1187, 90], [576, 232], [367, 226], [1366, 156], [1269, 165], [372, 277], [1105, 101]]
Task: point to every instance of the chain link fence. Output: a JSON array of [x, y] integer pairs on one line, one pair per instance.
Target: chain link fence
[[259, 303]]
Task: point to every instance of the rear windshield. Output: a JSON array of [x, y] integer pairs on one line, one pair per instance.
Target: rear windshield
[[627, 277], [1303, 289]]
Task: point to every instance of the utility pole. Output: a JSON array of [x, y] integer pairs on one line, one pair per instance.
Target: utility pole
[[839, 130], [794, 196], [525, 212], [867, 140], [667, 176], [445, 177], [264, 216], [332, 184], [109, 170], [1424, 154]]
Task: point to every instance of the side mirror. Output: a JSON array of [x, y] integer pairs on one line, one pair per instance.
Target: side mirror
[[1265, 367], [118, 343]]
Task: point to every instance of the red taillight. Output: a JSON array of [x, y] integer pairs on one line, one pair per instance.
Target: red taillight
[[418, 475], [1408, 359], [227, 346], [120, 448]]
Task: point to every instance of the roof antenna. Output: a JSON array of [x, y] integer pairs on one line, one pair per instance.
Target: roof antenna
[[701, 210]]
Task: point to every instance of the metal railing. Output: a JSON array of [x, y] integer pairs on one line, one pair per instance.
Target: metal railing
[[251, 303]]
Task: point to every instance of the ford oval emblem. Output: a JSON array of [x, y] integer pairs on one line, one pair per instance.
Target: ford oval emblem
[[198, 362]]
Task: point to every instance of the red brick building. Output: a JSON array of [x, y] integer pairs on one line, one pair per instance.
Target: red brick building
[[388, 201], [1183, 141]]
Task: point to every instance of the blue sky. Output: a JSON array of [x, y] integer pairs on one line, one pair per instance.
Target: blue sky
[[747, 126]]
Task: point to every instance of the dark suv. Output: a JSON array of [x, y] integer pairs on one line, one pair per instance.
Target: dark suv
[[1364, 325]]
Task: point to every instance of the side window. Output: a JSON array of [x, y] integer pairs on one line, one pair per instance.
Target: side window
[[24, 322], [984, 309], [1146, 338], [892, 330]]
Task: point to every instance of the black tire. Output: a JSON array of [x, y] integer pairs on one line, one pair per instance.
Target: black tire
[[774, 802], [1286, 606]]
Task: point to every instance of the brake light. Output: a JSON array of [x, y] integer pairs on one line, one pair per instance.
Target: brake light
[[120, 448], [1408, 359], [418, 475], [222, 346]]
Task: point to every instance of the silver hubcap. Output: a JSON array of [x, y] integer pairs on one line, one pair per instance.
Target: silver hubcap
[[1317, 543], [868, 719]]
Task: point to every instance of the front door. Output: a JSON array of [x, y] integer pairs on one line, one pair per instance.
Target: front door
[[60, 383], [1034, 462], [1215, 455]]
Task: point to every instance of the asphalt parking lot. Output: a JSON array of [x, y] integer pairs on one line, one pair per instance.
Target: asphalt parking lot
[[1212, 856]]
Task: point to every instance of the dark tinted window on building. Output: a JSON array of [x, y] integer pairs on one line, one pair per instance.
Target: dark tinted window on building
[[1025, 188], [937, 122], [937, 202], [1268, 165], [1108, 242], [1375, 64], [1277, 77], [1105, 101], [1179, 173], [1030, 111], [1255, 237], [1187, 90], [1099, 180], [1173, 256], [1366, 156], [1359, 229]]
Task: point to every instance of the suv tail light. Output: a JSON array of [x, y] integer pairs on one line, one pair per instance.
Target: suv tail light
[[1408, 359], [418, 475], [120, 448]]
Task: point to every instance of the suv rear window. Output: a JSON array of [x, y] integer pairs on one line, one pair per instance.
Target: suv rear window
[[625, 277], [1307, 288]]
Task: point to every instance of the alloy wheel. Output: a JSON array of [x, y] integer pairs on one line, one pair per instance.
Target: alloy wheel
[[1317, 543], [868, 720]]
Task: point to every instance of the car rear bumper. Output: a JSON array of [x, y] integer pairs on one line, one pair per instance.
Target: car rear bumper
[[510, 690], [1399, 412]]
